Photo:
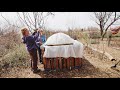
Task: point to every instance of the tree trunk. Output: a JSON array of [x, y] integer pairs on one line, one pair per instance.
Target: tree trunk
[[102, 38], [103, 35], [109, 39], [101, 30]]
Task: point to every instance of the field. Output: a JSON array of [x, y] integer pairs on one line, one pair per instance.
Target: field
[[14, 59]]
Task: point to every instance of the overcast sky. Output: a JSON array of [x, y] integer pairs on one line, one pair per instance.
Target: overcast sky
[[64, 20]]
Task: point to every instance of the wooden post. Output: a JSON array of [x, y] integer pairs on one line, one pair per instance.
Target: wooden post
[[109, 39]]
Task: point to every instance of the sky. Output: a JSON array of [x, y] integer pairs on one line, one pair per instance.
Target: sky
[[63, 20]]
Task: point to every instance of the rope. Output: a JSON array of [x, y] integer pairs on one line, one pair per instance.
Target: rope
[[60, 44]]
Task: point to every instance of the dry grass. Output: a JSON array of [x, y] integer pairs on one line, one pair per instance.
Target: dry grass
[[12, 52]]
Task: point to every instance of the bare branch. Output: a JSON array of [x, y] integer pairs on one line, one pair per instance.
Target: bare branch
[[5, 19], [34, 19], [9, 22], [103, 20]]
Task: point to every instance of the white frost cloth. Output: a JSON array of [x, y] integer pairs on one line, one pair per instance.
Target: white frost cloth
[[75, 50]]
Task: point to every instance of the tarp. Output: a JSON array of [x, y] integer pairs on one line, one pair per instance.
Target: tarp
[[65, 51]]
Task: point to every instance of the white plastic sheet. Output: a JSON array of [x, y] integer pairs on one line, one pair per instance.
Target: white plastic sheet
[[75, 50]]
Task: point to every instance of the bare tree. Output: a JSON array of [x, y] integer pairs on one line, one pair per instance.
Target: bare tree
[[33, 20], [10, 23], [105, 20]]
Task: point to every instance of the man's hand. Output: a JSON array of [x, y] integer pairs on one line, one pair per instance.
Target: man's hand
[[40, 43]]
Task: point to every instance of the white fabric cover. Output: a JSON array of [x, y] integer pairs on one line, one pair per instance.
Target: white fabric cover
[[59, 38], [75, 50]]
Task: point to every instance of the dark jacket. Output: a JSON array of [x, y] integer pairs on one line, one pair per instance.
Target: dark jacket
[[30, 41]]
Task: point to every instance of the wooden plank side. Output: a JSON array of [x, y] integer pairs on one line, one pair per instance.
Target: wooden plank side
[[81, 62], [48, 66], [72, 62], [64, 63], [52, 64], [60, 63], [77, 63], [68, 63], [44, 62], [57, 63]]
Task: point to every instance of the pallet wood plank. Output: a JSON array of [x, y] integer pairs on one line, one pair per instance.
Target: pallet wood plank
[[72, 63], [68, 63]]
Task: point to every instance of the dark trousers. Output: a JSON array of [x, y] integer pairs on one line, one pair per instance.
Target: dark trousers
[[34, 58], [40, 53]]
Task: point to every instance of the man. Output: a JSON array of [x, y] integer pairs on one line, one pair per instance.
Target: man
[[39, 41]]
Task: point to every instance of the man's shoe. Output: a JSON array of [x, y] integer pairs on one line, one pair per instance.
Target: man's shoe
[[41, 62], [36, 71]]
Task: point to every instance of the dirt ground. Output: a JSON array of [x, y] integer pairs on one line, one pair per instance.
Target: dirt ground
[[114, 51], [92, 68]]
